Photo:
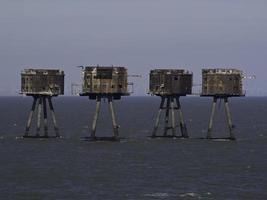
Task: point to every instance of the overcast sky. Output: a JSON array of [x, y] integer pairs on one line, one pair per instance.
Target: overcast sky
[[139, 34]]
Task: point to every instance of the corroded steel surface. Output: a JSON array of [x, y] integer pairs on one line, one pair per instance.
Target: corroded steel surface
[[222, 82], [42, 82], [105, 81], [170, 82]]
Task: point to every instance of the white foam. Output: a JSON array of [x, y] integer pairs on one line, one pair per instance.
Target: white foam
[[190, 194], [157, 194]]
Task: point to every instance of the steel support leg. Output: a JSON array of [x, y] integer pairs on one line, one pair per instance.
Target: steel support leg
[[29, 122], [212, 117], [45, 117], [98, 103], [158, 117], [114, 123], [182, 121], [39, 116], [173, 117], [167, 117], [53, 116], [229, 120]]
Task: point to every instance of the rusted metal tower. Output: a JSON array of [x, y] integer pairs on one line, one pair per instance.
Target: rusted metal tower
[[42, 85], [170, 85], [222, 84], [105, 83]]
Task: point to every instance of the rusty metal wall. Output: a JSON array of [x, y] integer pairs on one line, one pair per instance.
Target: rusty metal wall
[[222, 82], [42, 82], [170, 82], [105, 80]]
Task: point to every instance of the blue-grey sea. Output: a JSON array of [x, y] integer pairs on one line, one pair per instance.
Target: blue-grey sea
[[137, 167]]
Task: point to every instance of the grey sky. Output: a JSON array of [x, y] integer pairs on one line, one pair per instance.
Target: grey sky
[[139, 34]]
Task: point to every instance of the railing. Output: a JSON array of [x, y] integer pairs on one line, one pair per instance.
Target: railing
[[76, 89]]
